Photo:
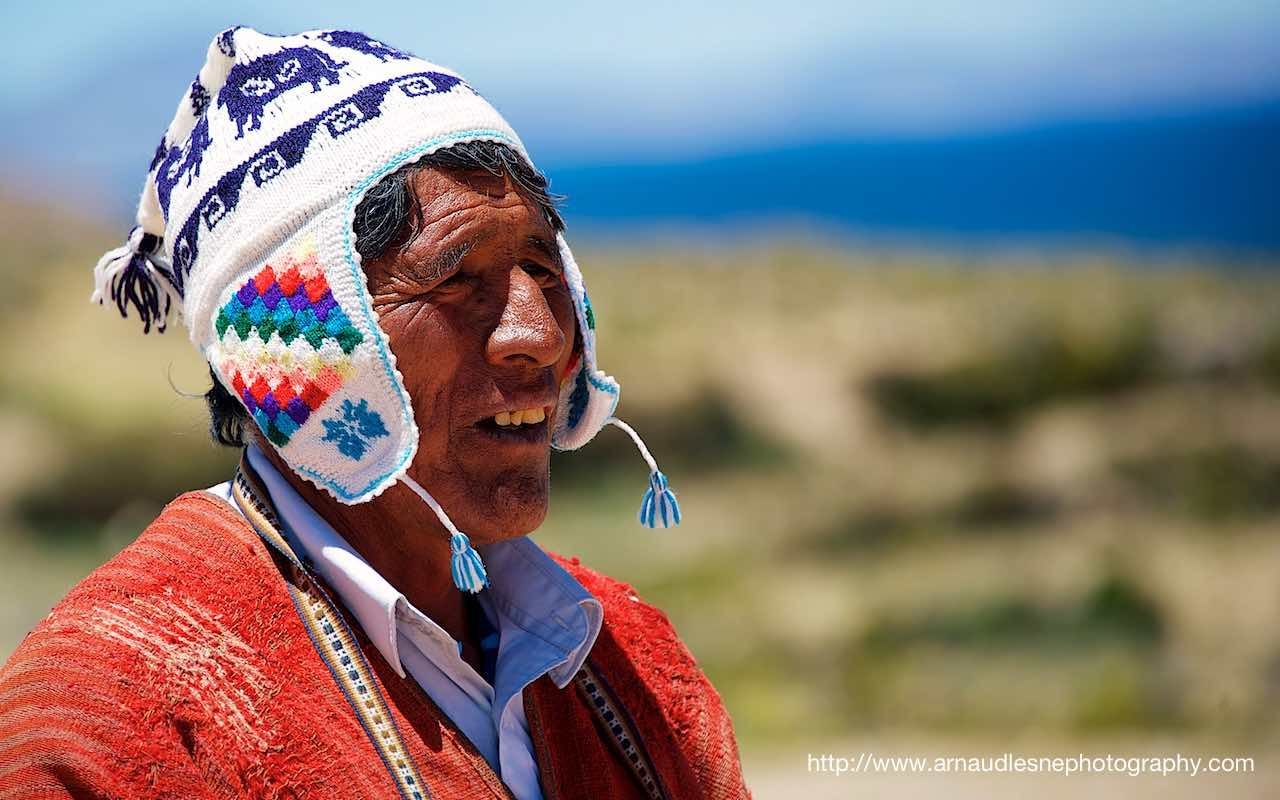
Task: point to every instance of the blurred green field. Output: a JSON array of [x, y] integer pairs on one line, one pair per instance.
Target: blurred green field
[[923, 497]]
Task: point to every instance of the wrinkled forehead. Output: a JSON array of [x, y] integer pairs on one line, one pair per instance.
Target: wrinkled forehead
[[445, 205]]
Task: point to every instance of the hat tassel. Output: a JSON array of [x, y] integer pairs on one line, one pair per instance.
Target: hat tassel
[[659, 507], [464, 562], [135, 273]]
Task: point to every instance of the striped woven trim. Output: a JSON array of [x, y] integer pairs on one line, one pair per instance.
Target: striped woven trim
[[621, 733], [333, 640]]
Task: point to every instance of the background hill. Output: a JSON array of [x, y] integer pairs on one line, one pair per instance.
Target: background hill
[[1205, 180]]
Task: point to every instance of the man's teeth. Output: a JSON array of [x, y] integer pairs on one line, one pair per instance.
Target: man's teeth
[[525, 416]]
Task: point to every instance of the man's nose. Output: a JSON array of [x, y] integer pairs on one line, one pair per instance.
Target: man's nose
[[527, 332]]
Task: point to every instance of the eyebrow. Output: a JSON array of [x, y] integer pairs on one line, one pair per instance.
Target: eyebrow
[[447, 261]]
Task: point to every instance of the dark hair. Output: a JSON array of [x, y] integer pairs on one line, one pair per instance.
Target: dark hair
[[388, 214]]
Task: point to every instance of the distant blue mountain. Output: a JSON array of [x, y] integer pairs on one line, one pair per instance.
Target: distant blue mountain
[[1206, 180], [1209, 179]]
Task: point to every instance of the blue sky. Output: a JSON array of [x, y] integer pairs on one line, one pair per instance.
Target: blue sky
[[88, 87], [597, 81]]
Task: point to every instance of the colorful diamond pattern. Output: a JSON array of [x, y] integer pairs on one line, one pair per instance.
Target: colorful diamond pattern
[[286, 345]]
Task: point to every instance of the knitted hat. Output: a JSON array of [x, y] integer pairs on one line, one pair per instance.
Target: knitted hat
[[245, 227]]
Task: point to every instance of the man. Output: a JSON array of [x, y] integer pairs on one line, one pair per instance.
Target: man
[[359, 245]]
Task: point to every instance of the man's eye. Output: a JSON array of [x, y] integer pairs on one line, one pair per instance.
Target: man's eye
[[458, 281], [540, 273]]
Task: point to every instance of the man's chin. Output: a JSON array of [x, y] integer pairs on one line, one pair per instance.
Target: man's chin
[[512, 506]]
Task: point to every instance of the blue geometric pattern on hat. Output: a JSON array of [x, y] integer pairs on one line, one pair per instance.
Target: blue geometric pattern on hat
[[187, 164], [283, 153], [199, 97]]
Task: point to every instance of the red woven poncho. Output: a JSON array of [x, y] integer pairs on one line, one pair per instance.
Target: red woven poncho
[[189, 667]]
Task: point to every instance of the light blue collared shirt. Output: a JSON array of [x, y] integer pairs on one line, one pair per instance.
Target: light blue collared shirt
[[546, 620]]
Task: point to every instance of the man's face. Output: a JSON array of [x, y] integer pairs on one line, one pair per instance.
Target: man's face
[[481, 324]]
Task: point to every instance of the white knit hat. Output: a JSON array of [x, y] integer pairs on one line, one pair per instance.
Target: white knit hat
[[245, 225]]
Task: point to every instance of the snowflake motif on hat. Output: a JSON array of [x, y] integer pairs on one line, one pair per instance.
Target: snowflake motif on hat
[[353, 432], [285, 346]]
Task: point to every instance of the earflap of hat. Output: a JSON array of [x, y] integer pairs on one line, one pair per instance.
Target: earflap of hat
[[588, 399], [296, 339], [588, 396]]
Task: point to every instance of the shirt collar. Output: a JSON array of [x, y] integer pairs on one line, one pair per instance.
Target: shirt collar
[[528, 589]]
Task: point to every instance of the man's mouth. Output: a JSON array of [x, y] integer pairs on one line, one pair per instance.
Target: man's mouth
[[528, 426]]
